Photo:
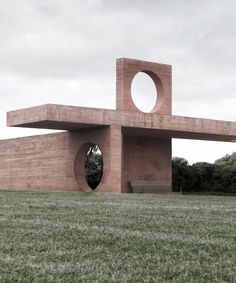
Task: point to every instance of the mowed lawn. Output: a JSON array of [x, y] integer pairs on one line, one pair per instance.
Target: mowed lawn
[[96, 237]]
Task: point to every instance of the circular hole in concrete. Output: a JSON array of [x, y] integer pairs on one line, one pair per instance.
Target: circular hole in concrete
[[93, 166], [143, 92]]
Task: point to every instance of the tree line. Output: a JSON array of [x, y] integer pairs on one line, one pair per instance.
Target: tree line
[[203, 176]]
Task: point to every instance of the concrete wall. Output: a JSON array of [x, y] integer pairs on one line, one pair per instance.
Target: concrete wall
[[109, 139], [146, 159], [38, 162], [48, 162]]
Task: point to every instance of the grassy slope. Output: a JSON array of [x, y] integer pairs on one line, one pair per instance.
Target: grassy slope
[[74, 237]]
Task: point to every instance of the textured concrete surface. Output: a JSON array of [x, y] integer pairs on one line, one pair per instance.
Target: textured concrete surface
[[56, 161], [146, 159], [136, 146], [161, 74]]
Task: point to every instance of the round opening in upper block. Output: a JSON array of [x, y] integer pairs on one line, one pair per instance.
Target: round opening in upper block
[[93, 166], [144, 92]]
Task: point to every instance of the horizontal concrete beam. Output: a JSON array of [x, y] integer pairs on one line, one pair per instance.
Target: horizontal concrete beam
[[73, 118]]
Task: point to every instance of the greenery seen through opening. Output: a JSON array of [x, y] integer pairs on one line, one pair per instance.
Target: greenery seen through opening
[[93, 166]]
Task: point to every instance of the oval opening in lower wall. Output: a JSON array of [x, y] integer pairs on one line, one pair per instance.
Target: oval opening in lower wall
[[93, 166]]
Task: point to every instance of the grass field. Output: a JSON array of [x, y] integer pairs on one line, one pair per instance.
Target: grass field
[[78, 237]]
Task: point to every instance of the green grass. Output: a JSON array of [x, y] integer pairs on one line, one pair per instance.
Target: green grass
[[78, 237]]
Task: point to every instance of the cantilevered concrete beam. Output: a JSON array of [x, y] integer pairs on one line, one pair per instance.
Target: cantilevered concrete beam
[[72, 118]]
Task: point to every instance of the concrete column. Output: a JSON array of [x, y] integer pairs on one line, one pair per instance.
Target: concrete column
[[116, 157]]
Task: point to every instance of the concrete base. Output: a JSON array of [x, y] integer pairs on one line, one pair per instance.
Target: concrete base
[[56, 161], [50, 162]]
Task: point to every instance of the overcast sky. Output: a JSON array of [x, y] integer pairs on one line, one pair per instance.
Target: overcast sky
[[64, 52]]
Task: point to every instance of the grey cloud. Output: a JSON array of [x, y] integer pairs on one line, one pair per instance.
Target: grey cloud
[[76, 39], [64, 51]]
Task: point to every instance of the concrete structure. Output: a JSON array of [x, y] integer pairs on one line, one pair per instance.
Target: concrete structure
[[136, 146]]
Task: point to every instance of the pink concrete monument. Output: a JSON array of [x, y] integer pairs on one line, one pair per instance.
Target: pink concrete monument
[[136, 146]]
